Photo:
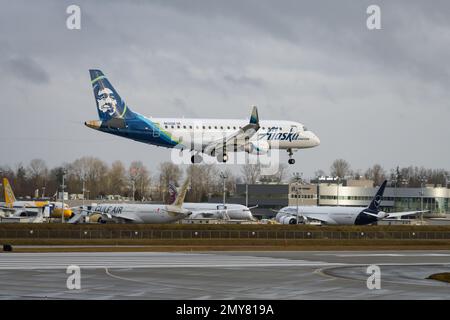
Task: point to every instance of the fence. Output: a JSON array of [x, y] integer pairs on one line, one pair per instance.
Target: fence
[[218, 234]]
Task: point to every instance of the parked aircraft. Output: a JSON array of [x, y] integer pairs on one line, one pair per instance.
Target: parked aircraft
[[137, 213], [11, 204], [340, 215], [213, 210]]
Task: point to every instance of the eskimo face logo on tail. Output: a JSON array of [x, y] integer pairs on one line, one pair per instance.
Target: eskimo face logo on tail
[[107, 103]]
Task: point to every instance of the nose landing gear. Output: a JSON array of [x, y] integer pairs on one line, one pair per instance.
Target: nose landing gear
[[291, 160]]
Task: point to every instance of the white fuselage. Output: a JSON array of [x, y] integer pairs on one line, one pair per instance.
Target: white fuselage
[[137, 213], [334, 215], [279, 134], [217, 210]]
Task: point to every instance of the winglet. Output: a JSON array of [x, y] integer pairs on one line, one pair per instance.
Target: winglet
[[375, 204], [254, 118]]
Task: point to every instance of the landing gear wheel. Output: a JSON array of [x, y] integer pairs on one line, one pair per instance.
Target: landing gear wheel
[[222, 158], [291, 160], [196, 158]]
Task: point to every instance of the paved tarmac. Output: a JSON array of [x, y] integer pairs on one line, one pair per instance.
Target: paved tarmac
[[225, 275]]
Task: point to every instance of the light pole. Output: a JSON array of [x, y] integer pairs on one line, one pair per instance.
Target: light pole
[[84, 189], [337, 198], [246, 195], [422, 180], [62, 195], [224, 178], [297, 178]]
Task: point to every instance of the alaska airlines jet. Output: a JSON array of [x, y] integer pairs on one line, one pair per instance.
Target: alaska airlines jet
[[340, 215], [214, 137]]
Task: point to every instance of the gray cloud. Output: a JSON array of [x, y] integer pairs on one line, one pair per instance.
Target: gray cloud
[[371, 96], [27, 69]]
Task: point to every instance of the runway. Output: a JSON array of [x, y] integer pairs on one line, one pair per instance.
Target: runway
[[224, 275]]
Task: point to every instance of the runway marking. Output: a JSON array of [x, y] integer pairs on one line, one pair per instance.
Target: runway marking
[[146, 260], [345, 255]]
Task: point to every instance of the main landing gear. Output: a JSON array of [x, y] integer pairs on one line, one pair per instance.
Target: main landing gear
[[196, 158], [291, 160], [222, 157]]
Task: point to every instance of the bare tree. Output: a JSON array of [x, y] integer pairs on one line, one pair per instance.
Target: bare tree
[[376, 173], [250, 173], [117, 181], [278, 177], [140, 177], [340, 168], [168, 173], [203, 180]]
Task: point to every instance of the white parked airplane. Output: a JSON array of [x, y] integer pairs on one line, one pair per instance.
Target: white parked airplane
[[340, 215], [213, 210], [138, 213], [214, 137]]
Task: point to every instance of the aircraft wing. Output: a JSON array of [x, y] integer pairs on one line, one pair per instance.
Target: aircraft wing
[[404, 213], [9, 209], [236, 140], [317, 216]]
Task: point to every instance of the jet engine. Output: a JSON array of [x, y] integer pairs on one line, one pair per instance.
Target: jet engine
[[257, 147]]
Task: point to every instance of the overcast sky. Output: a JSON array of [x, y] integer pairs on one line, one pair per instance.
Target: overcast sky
[[380, 96]]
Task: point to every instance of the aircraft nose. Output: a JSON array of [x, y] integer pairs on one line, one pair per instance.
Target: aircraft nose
[[315, 139]]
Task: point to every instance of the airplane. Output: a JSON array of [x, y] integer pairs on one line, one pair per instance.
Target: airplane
[[340, 215], [138, 213], [11, 204], [230, 211], [213, 137]]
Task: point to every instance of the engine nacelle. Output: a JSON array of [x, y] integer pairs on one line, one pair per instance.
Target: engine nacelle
[[257, 147], [288, 220]]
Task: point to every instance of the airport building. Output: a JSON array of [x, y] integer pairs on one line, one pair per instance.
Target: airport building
[[354, 193]]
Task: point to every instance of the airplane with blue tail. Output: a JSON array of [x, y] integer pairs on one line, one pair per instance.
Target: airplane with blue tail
[[213, 137]]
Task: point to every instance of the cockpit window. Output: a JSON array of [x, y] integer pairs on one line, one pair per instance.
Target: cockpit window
[[305, 128]]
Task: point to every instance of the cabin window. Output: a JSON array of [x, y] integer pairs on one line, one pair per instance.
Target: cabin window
[[178, 127], [204, 127], [228, 127], [215, 127], [165, 127], [190, 127], [171, 127], [221, 127], [209, 127]]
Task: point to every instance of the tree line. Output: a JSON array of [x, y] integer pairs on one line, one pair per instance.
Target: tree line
[[411, 176], [100, 179]]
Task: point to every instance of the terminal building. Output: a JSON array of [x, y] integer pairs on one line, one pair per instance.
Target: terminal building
[[355, 193]]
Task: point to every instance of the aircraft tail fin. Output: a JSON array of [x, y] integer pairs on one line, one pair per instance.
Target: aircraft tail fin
[[9, 194], [376, 201], [180, 197], [173, 193], [109, 103]]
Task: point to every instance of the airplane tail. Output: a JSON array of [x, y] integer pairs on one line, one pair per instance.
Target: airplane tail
[[180, 197], [172, 193], [376, 201], [109, 103], [9, 194]]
